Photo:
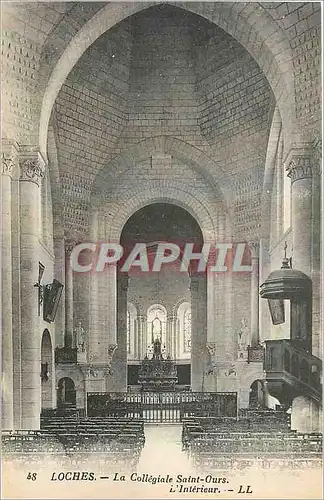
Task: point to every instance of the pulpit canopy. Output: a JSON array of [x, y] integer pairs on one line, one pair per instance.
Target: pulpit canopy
[[286, 283]]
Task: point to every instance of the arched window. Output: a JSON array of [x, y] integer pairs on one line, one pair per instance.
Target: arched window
[[184, 330], [131, 340], [156, 327]]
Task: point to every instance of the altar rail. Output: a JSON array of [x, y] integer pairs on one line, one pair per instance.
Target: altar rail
[[162, 406]]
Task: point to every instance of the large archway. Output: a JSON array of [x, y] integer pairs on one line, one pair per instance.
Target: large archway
[[269, 47], [66, 393], [158, 292]]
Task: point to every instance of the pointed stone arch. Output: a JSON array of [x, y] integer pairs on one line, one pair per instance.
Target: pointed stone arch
[[247, 22], [204, 208], [213, 173]]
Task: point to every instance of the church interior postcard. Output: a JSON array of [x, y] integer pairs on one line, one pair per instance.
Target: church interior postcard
[[161, 258]]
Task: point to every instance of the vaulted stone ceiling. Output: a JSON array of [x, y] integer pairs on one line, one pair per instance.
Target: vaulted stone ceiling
[[164, 72]]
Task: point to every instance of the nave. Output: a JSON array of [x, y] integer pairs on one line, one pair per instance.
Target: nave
[[132, 457], [187, 134], [163, 443]]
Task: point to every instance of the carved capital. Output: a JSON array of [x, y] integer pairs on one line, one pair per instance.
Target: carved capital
[[300, 167], [108, 371], [317, 147], [92, 372], [68, 246], [93, 356], [211, 348], [111, 351], [254, 249], [8, 164], [32, 169]]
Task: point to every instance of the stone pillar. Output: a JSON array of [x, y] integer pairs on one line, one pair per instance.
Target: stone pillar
[[219, 299], [95, 308], [16, 298], [198, 290], [81, 306], [171, 336], [305, 415], [104, 318], [31, 172], [8, 162], [228, 294], [254, 247], [59, 274], [142, 336], [317, 272], [137, 350], [264, 271], [300, 170], [176, 336], [119, 364], [68, 339], [103, 329]]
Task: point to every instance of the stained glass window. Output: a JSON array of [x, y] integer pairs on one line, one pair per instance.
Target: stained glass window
[[156, 327]]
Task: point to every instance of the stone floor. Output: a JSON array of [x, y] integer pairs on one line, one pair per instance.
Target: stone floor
[[162, 453]]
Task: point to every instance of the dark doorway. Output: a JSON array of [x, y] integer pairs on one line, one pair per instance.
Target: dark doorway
[[66, 393]]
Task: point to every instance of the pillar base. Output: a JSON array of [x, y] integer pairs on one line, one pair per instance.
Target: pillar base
[[306, 415]]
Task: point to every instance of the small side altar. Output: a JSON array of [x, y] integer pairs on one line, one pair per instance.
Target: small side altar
[[157, 374]]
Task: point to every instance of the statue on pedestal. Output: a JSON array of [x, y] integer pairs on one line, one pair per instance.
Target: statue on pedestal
[[243, 339], [80, 334]]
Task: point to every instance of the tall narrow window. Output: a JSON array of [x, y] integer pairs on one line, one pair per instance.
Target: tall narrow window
[[184, 330], [131, 331], [156, 327]]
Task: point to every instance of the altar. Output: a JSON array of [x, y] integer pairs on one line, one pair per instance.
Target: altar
[[157, 374]]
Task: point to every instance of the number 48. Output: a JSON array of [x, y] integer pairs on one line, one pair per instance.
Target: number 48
[[32, 476]]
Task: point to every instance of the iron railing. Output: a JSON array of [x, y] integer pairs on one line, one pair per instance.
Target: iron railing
[[162, 406]]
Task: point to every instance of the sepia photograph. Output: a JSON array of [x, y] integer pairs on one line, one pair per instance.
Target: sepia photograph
[[161, 250]]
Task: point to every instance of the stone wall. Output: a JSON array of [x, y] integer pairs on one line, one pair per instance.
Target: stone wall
[[90, 115]]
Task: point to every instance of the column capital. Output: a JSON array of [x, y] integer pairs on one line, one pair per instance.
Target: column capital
[[69, 244], [300, 167], [9, 151], [111, 351], [317, 146], [211, 348], [301, 163], [7, 164], [32, 167]]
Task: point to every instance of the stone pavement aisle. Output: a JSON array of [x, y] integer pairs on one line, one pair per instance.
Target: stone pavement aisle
[[162, 453]]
